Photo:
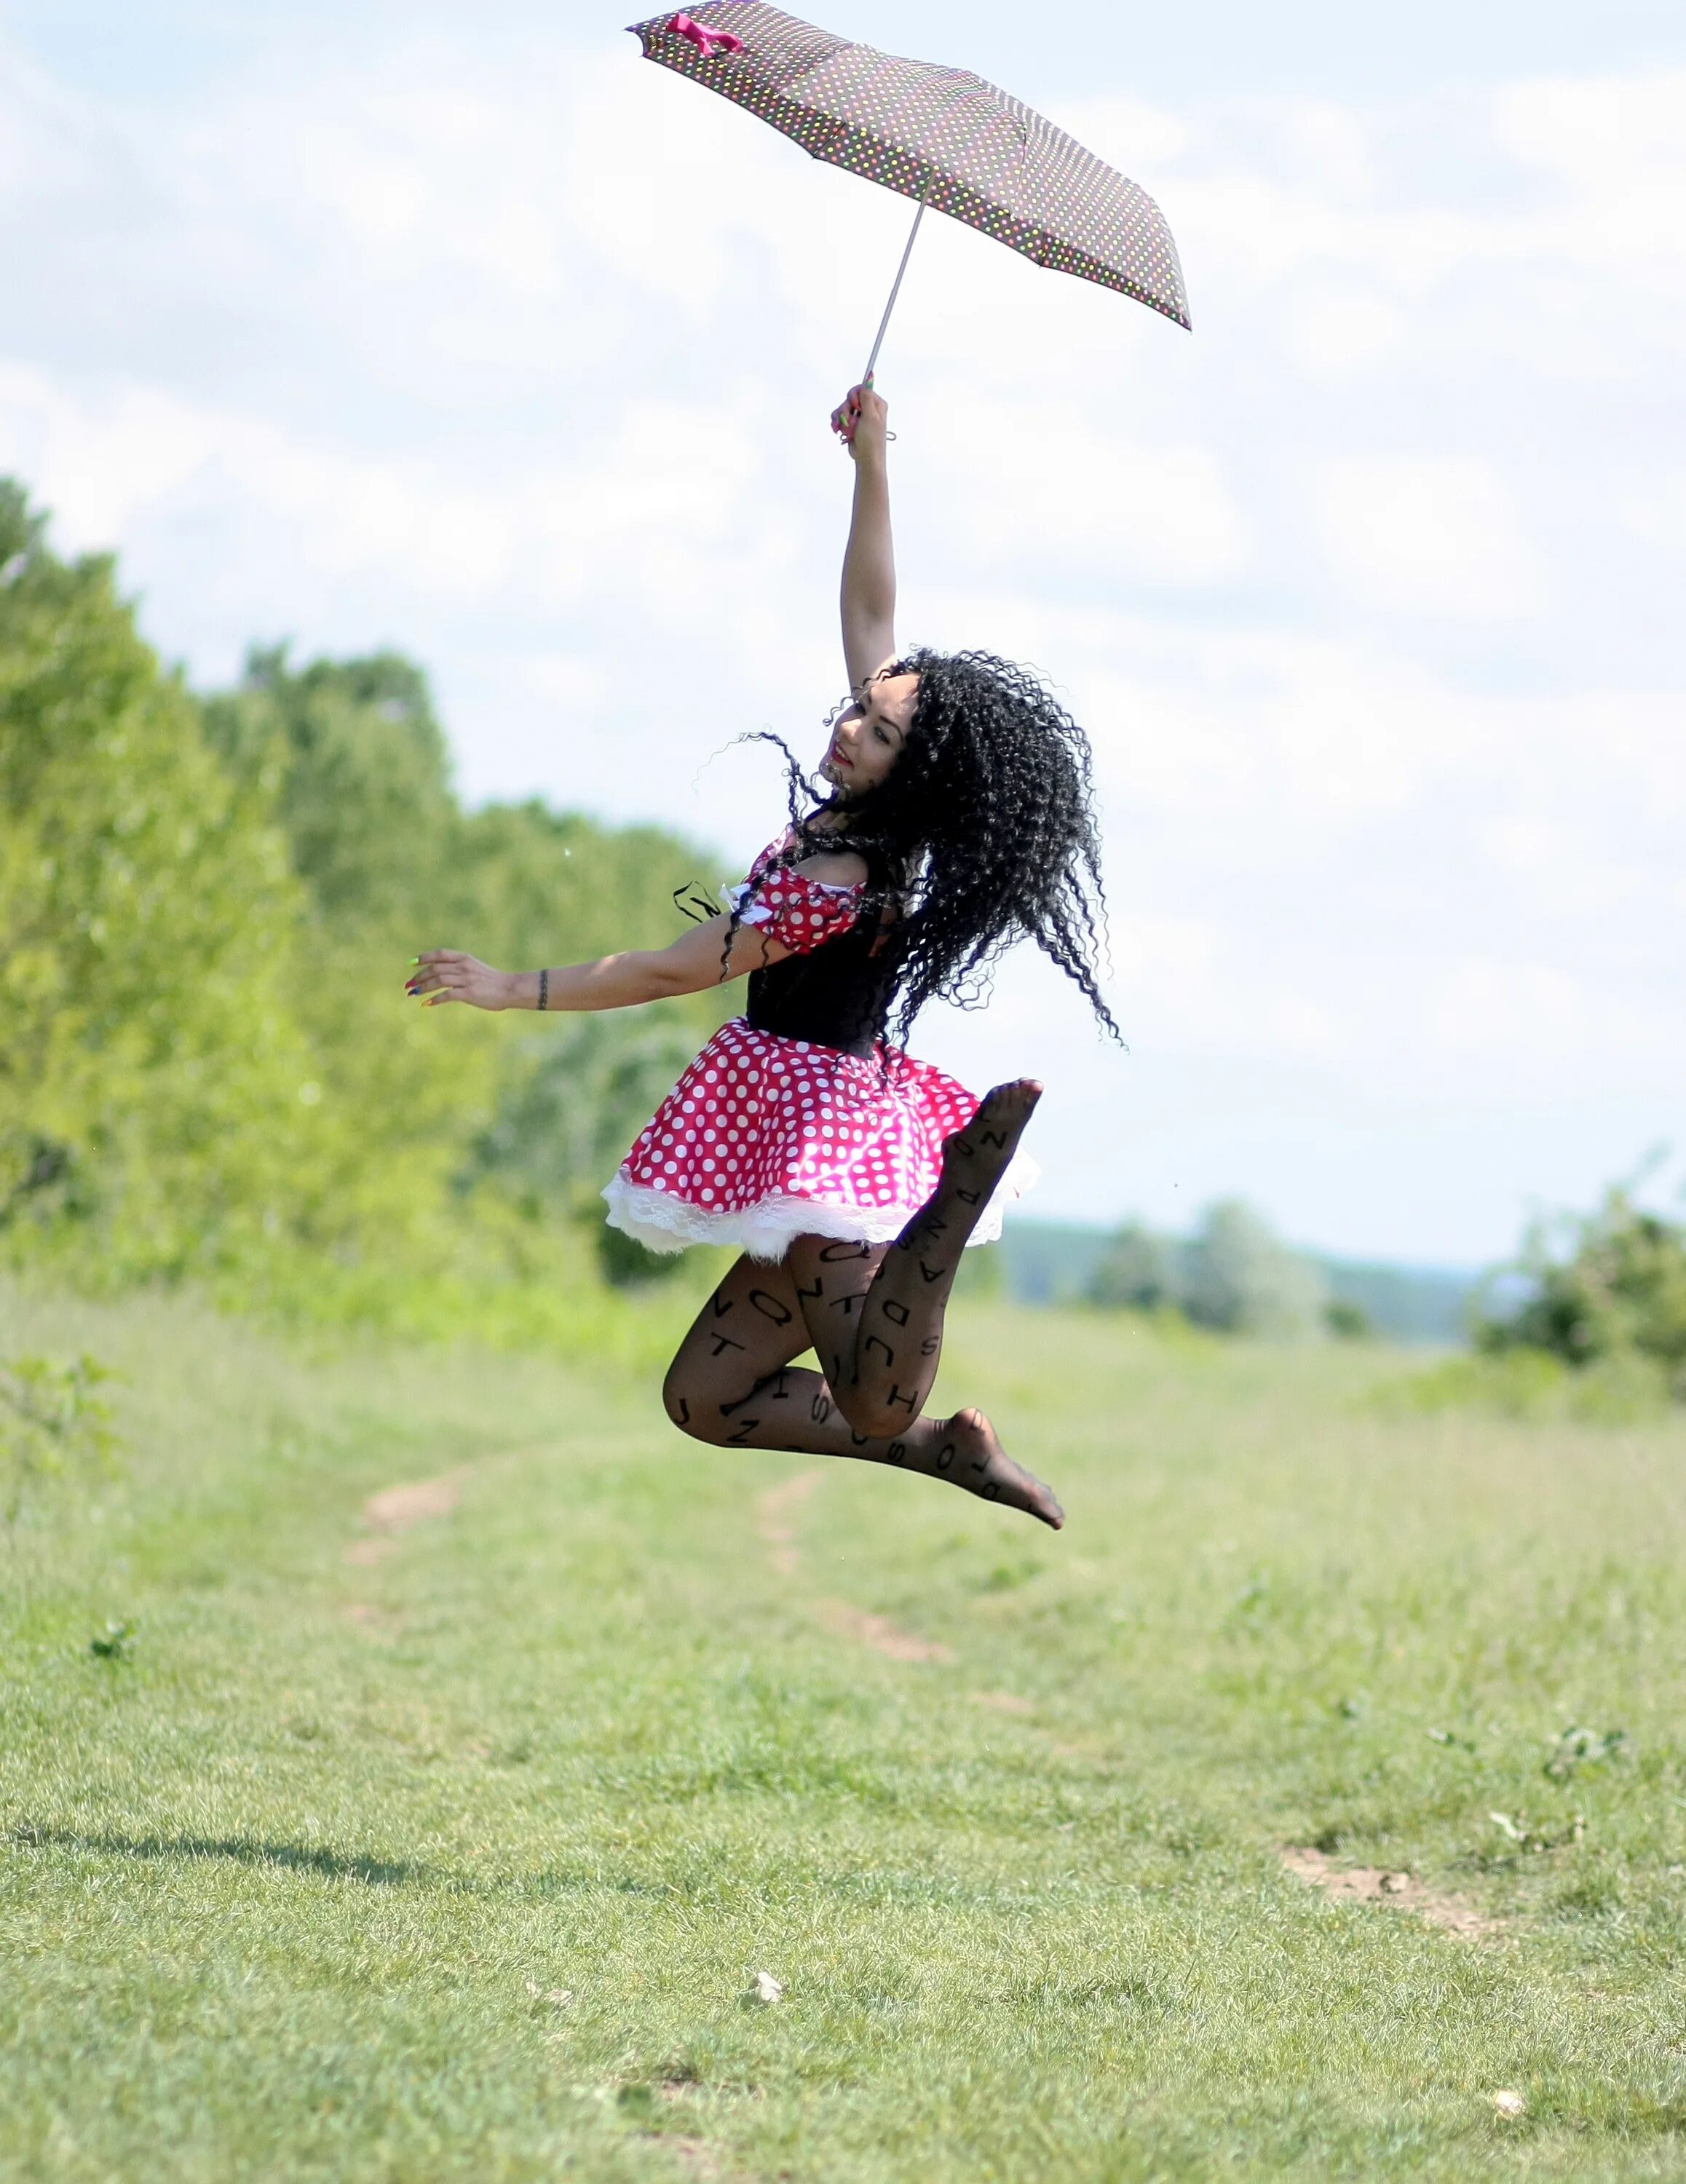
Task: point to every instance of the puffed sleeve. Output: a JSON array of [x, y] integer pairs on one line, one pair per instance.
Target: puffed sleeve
[[799, 913]]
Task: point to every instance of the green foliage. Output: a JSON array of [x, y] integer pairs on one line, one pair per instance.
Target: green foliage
[[205, 912], [1527, 1384], [1578, 1750], [573, 1098], [1616, 1296], [51, 1422], [357, 764], [149, 1077], [114, 1643]]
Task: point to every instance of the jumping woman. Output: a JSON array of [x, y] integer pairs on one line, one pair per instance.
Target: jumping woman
[[956, 819]]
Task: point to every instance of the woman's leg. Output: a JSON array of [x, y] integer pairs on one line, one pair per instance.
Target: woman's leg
[[733, 1383], [874, 1316]]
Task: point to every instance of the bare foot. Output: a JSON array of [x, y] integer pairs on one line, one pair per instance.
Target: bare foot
[[983, 1467], [982, 1150]]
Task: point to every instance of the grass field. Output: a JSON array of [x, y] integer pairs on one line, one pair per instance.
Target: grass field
[[440, 1835]]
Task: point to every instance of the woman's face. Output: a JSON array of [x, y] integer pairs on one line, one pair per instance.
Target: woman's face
[[868, 738]]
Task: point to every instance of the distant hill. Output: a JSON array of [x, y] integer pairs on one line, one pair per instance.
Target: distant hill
[[1051, 1262]]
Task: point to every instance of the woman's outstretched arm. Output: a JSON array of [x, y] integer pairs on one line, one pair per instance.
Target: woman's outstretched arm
[[869, 570], [697, 960]]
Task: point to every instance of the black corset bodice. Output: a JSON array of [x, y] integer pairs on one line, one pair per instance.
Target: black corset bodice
[[837, 996]]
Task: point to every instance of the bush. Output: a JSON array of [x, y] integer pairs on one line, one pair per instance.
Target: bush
[[50, 1420], [1618, 1293]]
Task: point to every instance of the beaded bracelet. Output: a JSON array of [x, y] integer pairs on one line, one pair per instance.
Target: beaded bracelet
[[544, 989]]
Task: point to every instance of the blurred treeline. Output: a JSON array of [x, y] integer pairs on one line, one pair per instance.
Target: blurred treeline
[[208, 1069], [1603, 1295], [1234, 1275]]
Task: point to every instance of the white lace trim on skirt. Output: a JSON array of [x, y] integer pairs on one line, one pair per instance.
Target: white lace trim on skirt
[[662, 1222]]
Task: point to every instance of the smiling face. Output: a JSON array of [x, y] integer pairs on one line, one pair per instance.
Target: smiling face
[[868, 738]]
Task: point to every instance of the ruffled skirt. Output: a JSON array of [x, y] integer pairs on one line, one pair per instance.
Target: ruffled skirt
[[765, 1138]]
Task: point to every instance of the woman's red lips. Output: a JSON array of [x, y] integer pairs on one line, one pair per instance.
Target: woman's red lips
[[839, 758]]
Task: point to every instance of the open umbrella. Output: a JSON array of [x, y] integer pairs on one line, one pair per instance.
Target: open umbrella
[[941, 134]]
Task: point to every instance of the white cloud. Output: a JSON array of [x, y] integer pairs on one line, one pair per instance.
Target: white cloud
[[1340, 329], [1060, 492], [1427, 535]]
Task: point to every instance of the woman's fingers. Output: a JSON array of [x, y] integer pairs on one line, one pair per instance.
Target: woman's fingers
[[439, 975], [847, 415], [433, 973], [862, 405]]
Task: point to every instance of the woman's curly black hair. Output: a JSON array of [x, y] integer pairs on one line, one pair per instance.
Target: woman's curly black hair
[[981, 834]]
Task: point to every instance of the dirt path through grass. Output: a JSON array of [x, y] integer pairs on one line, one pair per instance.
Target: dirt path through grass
[[778, 1509]]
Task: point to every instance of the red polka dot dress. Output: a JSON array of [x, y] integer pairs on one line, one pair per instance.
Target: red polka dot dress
[[767, 1137]]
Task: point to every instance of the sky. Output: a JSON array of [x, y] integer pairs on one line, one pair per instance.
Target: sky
[[467, 332]]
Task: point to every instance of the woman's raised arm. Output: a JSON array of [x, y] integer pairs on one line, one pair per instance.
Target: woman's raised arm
[[869, 570]]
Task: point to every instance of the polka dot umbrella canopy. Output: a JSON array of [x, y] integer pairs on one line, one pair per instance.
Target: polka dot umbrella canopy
[[940, 135]]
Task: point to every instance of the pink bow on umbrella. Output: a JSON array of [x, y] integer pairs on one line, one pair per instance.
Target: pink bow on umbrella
[[708, 42]]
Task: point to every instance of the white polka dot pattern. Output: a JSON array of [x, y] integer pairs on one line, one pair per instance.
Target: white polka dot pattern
[[939, 133], [799, 913], [763, 1139]]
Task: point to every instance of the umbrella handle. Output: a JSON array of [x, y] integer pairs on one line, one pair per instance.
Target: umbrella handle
[[841, 428], [884, 323]]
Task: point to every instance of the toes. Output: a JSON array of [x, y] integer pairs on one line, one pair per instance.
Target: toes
[[1017, 1098], [1001, 1479]]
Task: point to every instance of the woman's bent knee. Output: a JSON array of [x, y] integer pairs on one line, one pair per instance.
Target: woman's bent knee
[[687, 1410]]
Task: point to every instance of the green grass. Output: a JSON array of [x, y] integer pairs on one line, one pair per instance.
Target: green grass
[[288, 1892]]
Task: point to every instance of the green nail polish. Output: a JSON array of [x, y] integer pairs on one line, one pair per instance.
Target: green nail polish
[[413, 960]]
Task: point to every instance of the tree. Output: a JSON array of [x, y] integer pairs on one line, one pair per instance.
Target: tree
[[1138, 1272], [579, 1093], [440, 1108], [356, 764], [150, 1118], [1239, 1278]]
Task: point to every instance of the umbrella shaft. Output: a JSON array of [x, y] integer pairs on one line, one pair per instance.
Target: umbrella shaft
[[884, 323]]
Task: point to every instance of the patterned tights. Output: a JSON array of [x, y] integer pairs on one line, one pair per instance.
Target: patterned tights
[[872, 1314]]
